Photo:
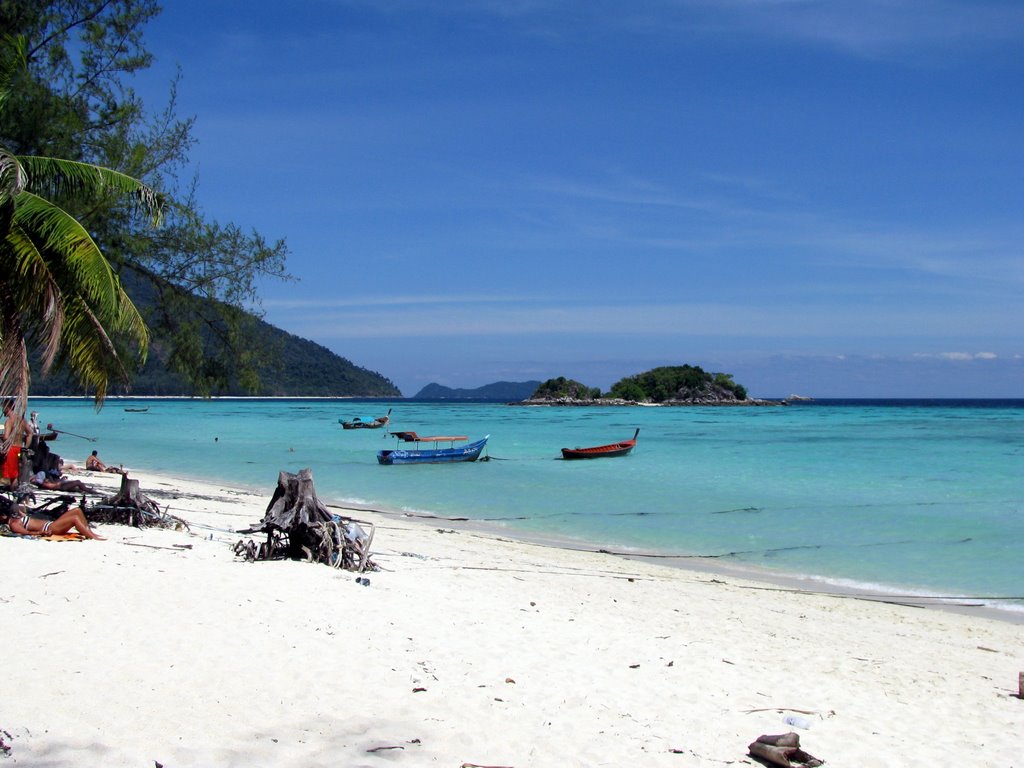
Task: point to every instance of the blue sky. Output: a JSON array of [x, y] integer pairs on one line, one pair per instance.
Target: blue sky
[[820, 197]]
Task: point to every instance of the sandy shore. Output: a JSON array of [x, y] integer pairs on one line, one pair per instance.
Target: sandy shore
[[467, 648]]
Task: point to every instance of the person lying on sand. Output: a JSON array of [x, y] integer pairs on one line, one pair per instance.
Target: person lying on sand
[[23, 524], [40, 480], [94, 464]]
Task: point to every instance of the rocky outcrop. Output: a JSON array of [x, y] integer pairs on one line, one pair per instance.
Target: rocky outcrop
[[708, 393], [535, 400]]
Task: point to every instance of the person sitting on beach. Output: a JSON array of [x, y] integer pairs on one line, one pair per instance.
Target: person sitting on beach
[[40, 480], [15, 518], [94, 464]]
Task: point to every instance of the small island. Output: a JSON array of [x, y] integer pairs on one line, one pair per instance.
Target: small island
[[666, 385]]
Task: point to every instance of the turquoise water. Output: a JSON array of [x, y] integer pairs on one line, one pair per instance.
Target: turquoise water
[[925, 497]]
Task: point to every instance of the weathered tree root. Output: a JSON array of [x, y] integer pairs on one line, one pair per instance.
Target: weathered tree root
[[783, 750], [298, 526]]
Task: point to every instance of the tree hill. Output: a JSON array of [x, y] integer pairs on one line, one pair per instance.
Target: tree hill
[[668, 385], [498, 391], [271, 363], [679, 383], [565, 389]]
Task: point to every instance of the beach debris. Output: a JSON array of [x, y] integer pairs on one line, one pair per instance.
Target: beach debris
[[130, 506], [298, 526], [797, 721], [784, 750]]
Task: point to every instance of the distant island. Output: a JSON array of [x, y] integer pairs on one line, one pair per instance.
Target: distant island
[[667, 385], [500, 391]]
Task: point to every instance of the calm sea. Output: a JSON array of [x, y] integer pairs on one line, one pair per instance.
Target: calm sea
[[898, 496]]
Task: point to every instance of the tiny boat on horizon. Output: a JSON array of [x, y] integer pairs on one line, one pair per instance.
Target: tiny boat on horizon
[[602, 451], [435, 455]]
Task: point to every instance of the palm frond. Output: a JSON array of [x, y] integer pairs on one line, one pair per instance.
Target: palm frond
[[34, 292], [51, 177], [12, 178], [65, 245], [89, 351], [77, 266]]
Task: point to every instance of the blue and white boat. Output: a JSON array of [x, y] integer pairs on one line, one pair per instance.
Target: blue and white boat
[[434, 455]]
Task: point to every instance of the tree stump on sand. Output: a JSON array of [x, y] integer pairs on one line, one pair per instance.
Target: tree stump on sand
[[300, 527], [130, 506]]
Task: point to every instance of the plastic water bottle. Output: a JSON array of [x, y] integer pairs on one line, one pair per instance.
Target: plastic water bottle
[[797, 721]]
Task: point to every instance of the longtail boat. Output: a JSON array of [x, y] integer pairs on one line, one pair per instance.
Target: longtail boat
[[435, 455], [601, 451], [366, 422]]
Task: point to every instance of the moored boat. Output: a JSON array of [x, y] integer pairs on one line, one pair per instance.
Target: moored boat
[[366, 422], [601, 451], [435, 455]]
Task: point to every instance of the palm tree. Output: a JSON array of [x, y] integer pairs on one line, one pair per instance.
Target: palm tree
[[58, 293]]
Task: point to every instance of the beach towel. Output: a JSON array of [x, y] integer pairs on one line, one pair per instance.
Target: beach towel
[[6, 531]]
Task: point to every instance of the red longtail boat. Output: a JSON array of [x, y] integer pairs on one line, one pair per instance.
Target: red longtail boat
[[601, 451]]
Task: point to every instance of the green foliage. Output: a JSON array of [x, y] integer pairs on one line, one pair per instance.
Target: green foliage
[[678, 383], [74, 100], [563, 388], [286, 366], [59, 294], [724, 380]]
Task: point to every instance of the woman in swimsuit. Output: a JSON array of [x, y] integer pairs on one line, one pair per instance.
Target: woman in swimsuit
[[21, 523]]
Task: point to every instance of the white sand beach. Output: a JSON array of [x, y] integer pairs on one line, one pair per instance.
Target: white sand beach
[[467, 649]]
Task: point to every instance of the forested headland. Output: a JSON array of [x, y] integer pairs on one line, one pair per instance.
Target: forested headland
[[69, 108]]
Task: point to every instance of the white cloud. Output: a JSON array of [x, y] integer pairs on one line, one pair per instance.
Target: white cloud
[[956, 356]]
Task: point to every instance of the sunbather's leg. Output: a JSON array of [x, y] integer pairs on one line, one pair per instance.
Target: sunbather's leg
[[74, 518]]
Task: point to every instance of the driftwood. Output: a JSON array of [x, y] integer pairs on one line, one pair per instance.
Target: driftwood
[[298, 526], [783, 750], [130, 506]]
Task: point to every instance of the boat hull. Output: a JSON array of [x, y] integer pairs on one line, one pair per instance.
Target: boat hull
[[360, 422], [469, 452], [601, 451]]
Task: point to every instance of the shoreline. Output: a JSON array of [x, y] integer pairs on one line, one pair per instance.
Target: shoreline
[[467, 648], [815, 584], [769, 580]]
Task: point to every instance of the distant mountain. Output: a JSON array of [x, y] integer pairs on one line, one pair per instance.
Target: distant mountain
[[500, 391], [286, 366]]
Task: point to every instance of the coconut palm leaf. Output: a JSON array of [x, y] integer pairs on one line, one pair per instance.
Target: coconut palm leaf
[[60, 179], [68, 294]]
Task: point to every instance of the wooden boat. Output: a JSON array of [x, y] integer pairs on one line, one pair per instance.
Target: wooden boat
[[137, 410], [366, 422], [435, 455], [601, 451]]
